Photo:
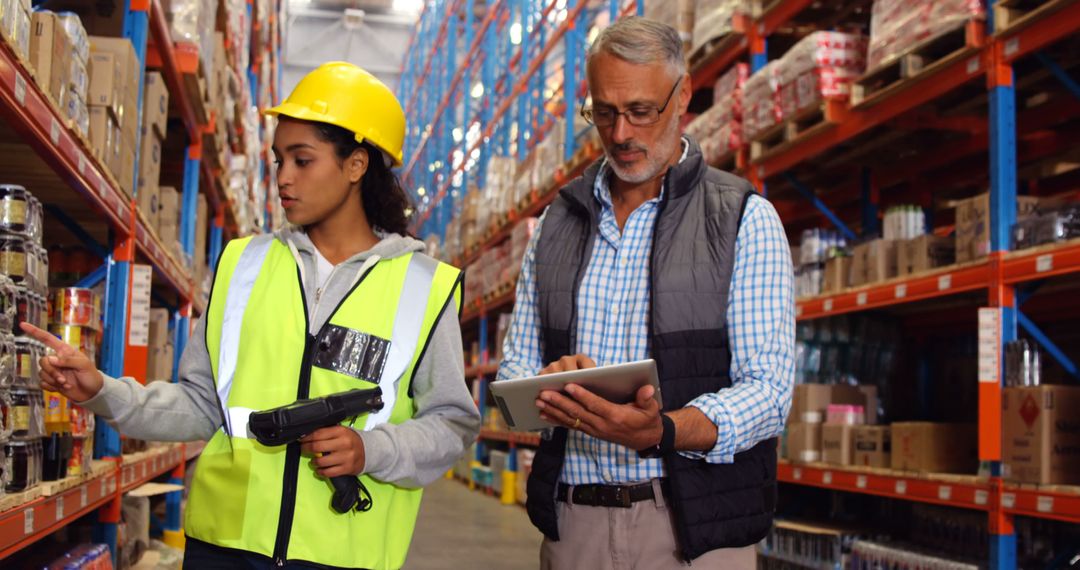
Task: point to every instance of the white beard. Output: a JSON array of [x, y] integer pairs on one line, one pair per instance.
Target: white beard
[[656, 159]]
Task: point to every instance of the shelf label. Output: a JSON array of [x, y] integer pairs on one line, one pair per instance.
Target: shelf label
[[798, 310], [28, 521], [112, 484], [1008, 500], [901, 487], [104, 486], [82, 497], [826, 478], [860, 481], [54, 131], [1012, 46], [141, 277], [860, 299], [944, 493], [82, 164], [20, 89], [60, 508], [944, 282], [1045, 505], [827, 306], [973, 66], [1044, 263], [981, 497], [989, 345], [901, 291], [796, 474]]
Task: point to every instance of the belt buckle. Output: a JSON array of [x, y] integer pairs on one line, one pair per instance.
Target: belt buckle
[[622, 496]]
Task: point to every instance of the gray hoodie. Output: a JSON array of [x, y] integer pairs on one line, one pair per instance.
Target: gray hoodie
[[410, 454]]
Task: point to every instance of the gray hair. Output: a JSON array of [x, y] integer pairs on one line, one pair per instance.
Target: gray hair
[[641, 41]]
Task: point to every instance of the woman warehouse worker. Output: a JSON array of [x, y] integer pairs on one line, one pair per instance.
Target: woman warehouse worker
[[343, 300]]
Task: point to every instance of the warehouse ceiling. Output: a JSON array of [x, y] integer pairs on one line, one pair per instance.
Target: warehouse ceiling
[[373, 34]]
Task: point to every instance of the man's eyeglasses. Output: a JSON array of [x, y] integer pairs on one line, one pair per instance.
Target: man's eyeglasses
[[640, 115]]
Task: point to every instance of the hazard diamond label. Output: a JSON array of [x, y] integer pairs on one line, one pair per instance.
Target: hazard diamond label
[[1029, 411]]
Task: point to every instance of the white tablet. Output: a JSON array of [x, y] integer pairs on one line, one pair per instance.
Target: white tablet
[[618, 383]]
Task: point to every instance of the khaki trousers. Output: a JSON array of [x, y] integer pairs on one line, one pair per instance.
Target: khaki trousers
[[641, 537]]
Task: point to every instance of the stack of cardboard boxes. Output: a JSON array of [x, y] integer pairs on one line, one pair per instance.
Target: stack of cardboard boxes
[[1042, 434], [59, 53], [114, 107], [159, 363], [807, 421], [152, 137], [15, 23]]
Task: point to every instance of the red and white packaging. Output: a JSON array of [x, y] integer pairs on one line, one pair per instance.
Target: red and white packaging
[[896, 26]]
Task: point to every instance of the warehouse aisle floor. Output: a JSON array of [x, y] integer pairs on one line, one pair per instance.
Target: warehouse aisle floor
[[459, 528]]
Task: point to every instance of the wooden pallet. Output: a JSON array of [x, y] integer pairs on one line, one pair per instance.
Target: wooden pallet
[[794, 128], [1010, 13], [920, 58], [10, 501], [195, 88], [713, 46]]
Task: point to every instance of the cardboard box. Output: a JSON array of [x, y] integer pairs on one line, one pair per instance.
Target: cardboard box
[[804, 443], [934, 447], [836, 275], [159, 363], [159, 327], [925, 252], [126, 173], [973, 224], [106, 82], [168, 215], [872, 446], [202, 226], [150, 156], [837, 444], [149, 198], [102, 127], [155, 104], [1042, 434], [870, 402], [48, 46], [809, 401], [129, 71]]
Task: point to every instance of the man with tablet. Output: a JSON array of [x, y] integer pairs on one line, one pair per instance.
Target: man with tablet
[[652, 254]]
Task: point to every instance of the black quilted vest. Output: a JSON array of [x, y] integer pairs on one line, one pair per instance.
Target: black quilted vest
[[693, 253]]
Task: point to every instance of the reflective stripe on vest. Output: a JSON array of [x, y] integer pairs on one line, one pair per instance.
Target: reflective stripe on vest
[[408, 323], [243, 281]]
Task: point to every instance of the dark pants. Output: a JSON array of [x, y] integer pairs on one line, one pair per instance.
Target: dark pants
[[199, 555]]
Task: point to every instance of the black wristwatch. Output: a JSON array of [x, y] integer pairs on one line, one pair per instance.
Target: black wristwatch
[[667, 440]]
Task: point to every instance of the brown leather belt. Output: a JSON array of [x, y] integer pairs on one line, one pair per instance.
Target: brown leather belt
[[622, 496]]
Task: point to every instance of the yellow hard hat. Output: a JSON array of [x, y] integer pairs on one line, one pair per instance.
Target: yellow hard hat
[[342, 94]]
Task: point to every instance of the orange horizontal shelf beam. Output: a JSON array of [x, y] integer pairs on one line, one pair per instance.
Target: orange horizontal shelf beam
[[1046, 25], [1042, 262], [940, 283], [481, 370], [473, 312], [1046, 504], [948, 492]]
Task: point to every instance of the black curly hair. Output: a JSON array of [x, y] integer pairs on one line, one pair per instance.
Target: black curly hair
[[385, 201]]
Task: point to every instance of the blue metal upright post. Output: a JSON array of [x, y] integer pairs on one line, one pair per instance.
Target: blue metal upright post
[[870, 224], [189, 199], [570, 82]]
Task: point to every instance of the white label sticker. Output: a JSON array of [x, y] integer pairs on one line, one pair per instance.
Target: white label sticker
[[989, 345], [82, 497], [20, 89], [797, 474], [944, 493], [142, 470], [28, 521], [54, 131], [901, 487], [860, 299], [60, 508], [141, 279], [1044, 263], [944, 282], [104, 486], [1012, 46], [1045, 505], [112, 485], [827, 306], [973, 65], [860, 481], [981, 497], [826, 478], [901, 291], [798, 310], [1008, 500], [82, 164]]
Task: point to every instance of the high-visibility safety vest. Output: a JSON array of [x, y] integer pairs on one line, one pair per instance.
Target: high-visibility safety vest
[[269, 500]]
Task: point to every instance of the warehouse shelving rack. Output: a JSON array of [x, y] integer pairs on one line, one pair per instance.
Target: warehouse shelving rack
[[1004, 279], [98, 207]]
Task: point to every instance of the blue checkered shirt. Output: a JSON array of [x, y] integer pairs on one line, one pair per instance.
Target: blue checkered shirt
[[613, 317]]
